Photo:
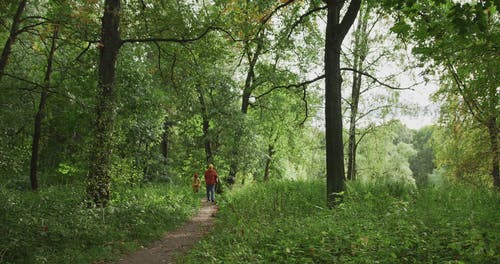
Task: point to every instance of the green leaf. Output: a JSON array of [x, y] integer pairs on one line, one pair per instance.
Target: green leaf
[[401, 28]]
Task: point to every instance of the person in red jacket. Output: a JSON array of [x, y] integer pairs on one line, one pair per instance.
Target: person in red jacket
[[211, 179]]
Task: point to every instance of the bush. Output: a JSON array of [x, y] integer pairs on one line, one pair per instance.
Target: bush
[[54, 226], [286, 222]]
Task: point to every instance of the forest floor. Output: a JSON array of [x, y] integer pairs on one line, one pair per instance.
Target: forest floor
[[177, 242]]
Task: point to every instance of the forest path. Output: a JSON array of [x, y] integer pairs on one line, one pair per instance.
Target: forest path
[[177, 242]]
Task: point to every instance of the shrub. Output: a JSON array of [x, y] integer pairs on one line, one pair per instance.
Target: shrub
[[286, 222], [54, 226]]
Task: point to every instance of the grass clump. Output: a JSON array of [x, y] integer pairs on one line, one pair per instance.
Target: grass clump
[[54, 225], [286, 222]]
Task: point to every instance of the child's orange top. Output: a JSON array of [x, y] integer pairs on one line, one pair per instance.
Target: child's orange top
[[196, 181]]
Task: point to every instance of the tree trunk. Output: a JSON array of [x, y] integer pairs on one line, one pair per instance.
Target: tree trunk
[[245, 102], [356, 85], [493, 131], [206, 139], [164, 140], [206, 127], [12, 36], [99, 177], [247, 91], [270, 153], [335, 33], [39, 114], [360, 53]]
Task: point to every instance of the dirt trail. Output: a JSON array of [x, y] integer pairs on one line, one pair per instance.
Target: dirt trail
[[177, 242]]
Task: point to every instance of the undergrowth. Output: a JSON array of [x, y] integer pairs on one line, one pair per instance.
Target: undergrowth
[[54, 225], [286, 222]]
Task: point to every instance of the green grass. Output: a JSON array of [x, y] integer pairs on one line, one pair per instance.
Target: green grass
[[286, 222], [54, 225]]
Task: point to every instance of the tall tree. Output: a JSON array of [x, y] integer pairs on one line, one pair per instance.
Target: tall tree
[[253, 21], [459, 42], [99, 172], [336, 30], [386, 154], [205, 119], [366, 55], [98, 182], [422, 164], [360, 52], [41, 108]]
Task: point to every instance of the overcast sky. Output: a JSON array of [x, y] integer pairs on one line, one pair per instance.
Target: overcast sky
[[423, 111]]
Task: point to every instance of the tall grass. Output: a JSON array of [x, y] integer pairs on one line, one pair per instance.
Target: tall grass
[[286, 222], [54, 225]]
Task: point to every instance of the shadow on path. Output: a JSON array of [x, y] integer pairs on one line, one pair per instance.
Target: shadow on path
[[177, 242]]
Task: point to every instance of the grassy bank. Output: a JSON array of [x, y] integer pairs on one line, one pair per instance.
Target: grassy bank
[[54, 225], [286, 222]]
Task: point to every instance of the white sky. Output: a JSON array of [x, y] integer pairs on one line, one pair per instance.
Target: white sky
[[424, 112], [427, 112]]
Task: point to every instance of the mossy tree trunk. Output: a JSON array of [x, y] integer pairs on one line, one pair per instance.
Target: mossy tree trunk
[[98, 181]]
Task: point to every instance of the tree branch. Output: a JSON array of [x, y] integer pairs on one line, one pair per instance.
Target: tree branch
[[365, 132], [85, 50], [28, 27], [35, 17], [266, 18], [179, 40], [276, 10], [371, 111], [303, 16], [24, 80], [302, 84], [323, 76], [377, 80], [349, 17], [471, 105]]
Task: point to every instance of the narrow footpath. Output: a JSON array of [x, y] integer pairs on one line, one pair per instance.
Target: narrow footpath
[[176, 243]]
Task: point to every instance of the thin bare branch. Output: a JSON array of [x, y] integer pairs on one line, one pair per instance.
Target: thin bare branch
[[365, 132], [377, 80], [302, 84], [180, 40], [372, 110]]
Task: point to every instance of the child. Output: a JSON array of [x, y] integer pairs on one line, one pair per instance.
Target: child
[[196, 183]]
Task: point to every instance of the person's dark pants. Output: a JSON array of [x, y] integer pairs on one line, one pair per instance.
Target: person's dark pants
[[211, 193]]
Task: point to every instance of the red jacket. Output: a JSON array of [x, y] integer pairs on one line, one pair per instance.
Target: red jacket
[[210, 177]]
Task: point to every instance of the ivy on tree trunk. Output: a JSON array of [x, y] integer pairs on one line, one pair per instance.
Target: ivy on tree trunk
[[98, 181]]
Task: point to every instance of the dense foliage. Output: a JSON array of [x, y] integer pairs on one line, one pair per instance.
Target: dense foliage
[[286, 222], [54, 226], [457, 41], [107, 108]]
